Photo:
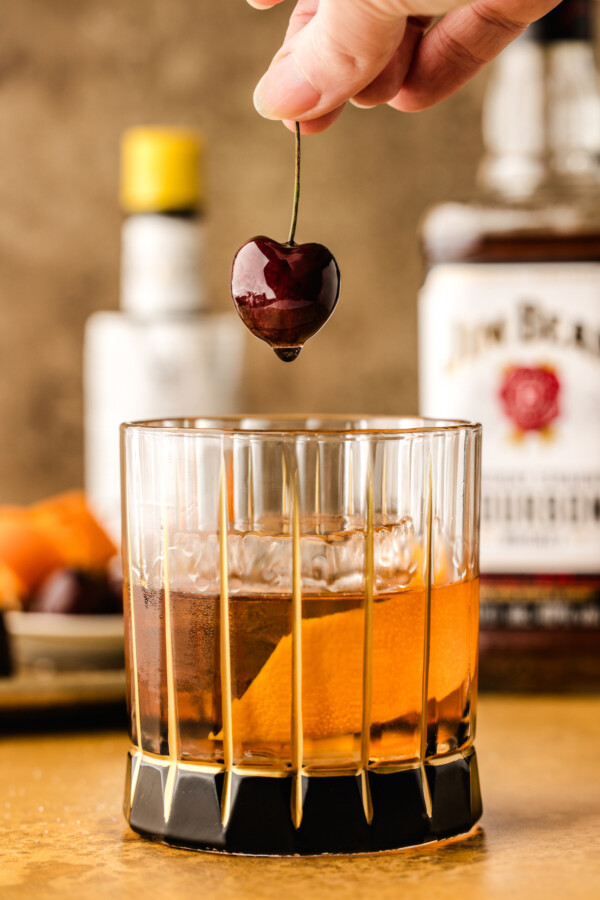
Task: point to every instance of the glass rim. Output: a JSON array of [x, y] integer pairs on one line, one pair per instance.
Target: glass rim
[[283, 426]]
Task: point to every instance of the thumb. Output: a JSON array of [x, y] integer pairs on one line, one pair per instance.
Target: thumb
[[340, 50]]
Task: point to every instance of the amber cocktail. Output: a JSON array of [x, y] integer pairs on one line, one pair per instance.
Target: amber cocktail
[[302, 613]]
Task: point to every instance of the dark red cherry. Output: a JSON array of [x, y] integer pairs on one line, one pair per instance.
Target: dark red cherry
[[284, 293], [5, 660], [77, 592]]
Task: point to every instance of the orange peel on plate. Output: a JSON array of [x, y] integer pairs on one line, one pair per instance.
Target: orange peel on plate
[[26, 553], [35, 540], [69, 524]]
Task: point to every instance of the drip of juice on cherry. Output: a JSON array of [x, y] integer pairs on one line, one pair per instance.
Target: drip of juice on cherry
[[285, 292]]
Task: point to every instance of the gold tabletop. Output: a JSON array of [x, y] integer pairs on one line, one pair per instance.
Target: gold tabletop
[[62, 832]]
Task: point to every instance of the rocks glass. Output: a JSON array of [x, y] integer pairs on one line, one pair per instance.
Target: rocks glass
[[301, 599]]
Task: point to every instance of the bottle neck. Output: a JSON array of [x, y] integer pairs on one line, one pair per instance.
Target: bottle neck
[[541, 120], [161, 265]]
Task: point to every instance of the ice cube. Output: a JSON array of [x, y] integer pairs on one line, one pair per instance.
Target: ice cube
[[261, 563]]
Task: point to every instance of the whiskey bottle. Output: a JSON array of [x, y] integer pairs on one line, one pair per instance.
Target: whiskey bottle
[[509, 322], [164, 353]]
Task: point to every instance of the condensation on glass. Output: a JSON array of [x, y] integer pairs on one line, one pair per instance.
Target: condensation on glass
[[301, 600]]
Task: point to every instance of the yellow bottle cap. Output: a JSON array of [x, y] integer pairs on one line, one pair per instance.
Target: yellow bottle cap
[[161, 170]]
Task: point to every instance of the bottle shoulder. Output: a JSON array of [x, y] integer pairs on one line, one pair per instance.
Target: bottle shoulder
[[106, 326], [490, 229], [196, 319]]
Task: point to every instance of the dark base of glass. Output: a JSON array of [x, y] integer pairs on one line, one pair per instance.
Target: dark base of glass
[[333, 815]]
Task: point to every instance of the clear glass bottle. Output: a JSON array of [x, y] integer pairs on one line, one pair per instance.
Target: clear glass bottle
[[509, 327], [163, 354]]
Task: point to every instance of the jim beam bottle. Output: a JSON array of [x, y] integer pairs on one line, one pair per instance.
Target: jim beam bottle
[[509, 327]]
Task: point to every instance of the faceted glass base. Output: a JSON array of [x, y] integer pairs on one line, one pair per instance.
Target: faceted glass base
[[249, 813]]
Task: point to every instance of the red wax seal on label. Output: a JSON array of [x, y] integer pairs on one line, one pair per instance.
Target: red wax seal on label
[[529, 397]]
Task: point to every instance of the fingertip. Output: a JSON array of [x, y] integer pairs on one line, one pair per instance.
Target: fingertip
[[409, 101], [284, 91], [260, 105], [315, 126]]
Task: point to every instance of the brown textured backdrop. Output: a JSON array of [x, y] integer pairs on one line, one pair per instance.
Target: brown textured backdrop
[[73, 75]]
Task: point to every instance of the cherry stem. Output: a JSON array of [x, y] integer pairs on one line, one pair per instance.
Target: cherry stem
[[296, 188]]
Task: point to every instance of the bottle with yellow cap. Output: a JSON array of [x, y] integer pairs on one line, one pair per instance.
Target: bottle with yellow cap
[[162, 354]]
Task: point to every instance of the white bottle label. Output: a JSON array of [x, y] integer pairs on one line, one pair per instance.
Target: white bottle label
[[517, 347], [177, 366]]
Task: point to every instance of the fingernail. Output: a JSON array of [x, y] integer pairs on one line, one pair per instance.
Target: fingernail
[[359, 105], [285, 92]]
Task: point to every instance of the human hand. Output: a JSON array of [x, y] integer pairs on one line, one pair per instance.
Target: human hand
[[381, 51]]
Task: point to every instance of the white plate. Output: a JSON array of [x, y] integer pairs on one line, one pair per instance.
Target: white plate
[[31, 689], [55, 641]]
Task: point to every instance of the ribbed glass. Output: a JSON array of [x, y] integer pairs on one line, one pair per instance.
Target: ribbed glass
[[301, 594]]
